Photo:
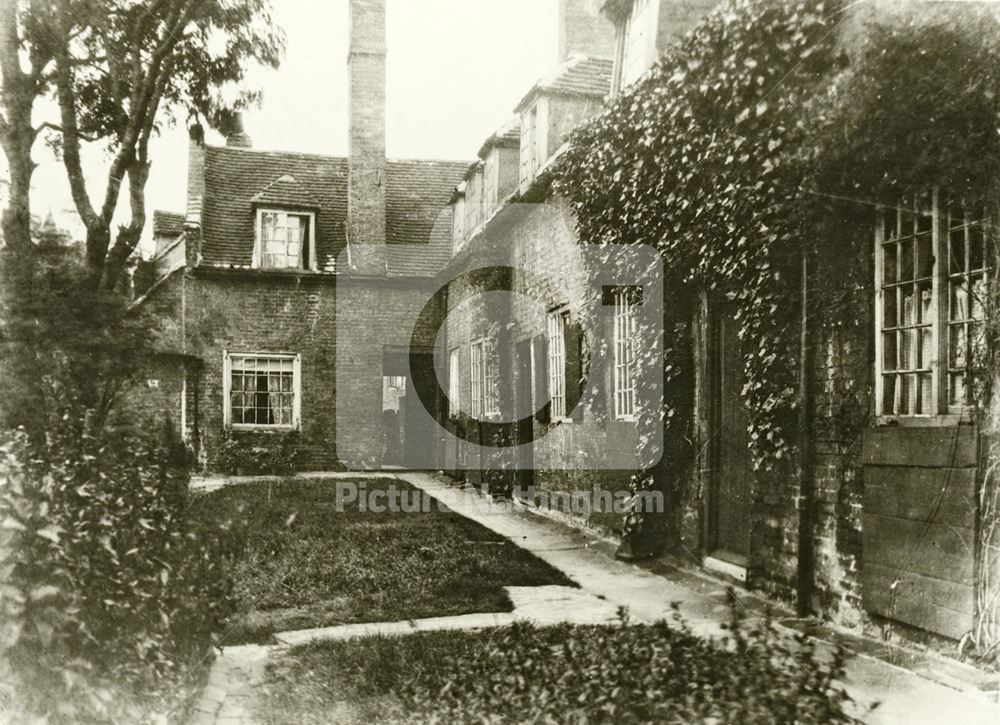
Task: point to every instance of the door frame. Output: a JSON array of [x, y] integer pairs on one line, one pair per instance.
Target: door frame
[[729, 563]]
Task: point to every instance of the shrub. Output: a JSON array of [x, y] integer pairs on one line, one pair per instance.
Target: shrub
[[631, 674], [251, 454], [109, 599]]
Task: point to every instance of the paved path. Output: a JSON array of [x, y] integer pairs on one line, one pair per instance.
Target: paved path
[[605, 584]]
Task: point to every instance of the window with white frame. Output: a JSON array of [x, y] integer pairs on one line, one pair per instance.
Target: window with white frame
[[930, 313], [483, 368], [625, 332], [285, 240], [262, 390], [557, 322], [454, 383]]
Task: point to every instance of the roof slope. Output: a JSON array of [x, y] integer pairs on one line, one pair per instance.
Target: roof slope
[[578, 75], [417, 194], [167, 223]]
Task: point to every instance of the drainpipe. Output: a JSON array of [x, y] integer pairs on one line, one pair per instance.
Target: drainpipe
[[807, 494]]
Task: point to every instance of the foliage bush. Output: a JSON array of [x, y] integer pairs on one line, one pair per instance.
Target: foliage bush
[[251, 454], [109, 599], [659, 673], [635, 674]]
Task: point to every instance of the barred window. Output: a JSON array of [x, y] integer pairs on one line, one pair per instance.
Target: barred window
[[476, 370], [557, 362], [262, 390], [928, 312], [285, 240], [485, 401], [625, 328]]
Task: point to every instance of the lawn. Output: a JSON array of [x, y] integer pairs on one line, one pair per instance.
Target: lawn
[[299, 562], [574, 674]]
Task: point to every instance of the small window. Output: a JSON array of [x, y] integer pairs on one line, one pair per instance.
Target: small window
[[932, 269], [262, 391], [483, 369], [285, 240], [557, 322], [454, 384], [625, 341]]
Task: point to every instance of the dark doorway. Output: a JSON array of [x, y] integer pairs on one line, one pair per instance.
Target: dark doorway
[[730, 496], [409, 437], [524, 385]]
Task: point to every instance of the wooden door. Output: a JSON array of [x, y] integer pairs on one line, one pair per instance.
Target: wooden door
[[729, 500]]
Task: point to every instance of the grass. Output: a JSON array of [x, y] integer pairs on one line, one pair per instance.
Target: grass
[[299, 562], [570, 673]]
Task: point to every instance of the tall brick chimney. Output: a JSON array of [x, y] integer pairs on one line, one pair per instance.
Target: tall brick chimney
[[584, 30], [195, 194], [366, 143]]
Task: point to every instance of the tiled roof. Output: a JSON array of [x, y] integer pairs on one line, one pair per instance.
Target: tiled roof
[[167, 223], [417, 194], [578, 75], [285, 191], [507, 135]]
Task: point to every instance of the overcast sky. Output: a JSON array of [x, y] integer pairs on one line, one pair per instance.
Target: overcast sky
[[455, 69]]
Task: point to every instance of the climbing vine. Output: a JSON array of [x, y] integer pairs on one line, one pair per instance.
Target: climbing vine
[[702, 160], [770, 135]]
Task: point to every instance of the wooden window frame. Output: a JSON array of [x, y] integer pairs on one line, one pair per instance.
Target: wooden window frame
[[555, 329], [227, 371], [891, 232], [624, 339], [477, 354], [454, 382], [312, 264]]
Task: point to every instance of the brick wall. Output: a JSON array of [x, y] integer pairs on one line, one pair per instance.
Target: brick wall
[[583, 29], [204, 312], [541, 238]]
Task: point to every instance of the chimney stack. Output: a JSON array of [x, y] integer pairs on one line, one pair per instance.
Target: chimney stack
[[366, 143], [238, 137], [584, 30]]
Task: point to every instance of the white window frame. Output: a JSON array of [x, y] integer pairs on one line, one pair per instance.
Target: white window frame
[[227, 370], [258, 247], [483, 379], [625, 334], [454, 382], [556, 334], [477, 354], [922, 329]]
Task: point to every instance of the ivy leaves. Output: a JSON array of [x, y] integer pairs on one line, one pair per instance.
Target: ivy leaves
[[693, 159]]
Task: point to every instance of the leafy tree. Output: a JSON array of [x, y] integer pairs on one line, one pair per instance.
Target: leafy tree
[[117, 70]]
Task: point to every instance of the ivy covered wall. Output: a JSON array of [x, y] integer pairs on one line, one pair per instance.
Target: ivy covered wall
[[761, 145]]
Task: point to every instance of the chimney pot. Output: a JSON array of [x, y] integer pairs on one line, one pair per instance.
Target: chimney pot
[[238, 137]]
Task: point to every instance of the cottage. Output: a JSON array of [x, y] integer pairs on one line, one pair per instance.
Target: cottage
[[249, 291], [286, 299]]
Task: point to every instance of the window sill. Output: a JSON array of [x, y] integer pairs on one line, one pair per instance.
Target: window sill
[[924, 421], [262, 428]]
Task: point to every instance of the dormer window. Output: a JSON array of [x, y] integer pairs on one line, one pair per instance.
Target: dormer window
[[637, 43], [286, 239], [534, 141]]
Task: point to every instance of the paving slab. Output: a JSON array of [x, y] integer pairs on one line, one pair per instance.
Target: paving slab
[[901, 695]]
